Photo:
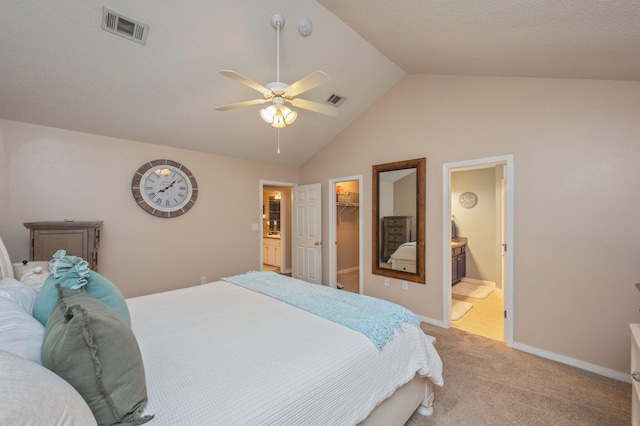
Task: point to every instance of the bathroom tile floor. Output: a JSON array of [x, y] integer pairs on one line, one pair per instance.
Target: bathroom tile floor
[[486, 318]]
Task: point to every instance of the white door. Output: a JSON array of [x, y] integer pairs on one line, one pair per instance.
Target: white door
[[307, 233]]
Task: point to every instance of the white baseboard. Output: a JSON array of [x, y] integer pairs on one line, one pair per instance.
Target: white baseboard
[[607, 372], [352, 269], [431, 321], [481, 282]]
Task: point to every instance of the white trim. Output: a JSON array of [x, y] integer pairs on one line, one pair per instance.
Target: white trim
[[287, 239], [432, 321], [333, 253], [447, 169], [352, 269], [607, 372], [479, 282]]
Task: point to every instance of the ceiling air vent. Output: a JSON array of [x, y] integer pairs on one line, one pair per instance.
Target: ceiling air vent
[[335, 100], [123, 26]]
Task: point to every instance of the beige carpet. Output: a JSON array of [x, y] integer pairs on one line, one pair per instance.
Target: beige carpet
[[476, 291], [487, 383], [459, 308]]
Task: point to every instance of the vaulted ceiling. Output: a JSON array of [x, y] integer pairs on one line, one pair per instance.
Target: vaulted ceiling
[[59, 68]]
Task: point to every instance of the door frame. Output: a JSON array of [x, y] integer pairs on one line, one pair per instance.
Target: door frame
[[333, 239], [287, 238], [509, 192]]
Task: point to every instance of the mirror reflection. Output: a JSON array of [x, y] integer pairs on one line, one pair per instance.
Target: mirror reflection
[[399, 220]]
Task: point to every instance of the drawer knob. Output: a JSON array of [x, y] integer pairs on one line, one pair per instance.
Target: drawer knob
[[636, 376]]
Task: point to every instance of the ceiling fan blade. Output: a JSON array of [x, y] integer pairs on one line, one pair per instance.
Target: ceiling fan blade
[[242, 104], [307, 83], [315, 107], [247, 82]]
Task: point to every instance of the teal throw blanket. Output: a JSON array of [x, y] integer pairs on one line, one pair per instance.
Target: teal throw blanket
[[375, 318]]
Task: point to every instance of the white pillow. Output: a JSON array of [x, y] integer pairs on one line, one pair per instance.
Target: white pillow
[[35, 277], [34, 396], [19, 293], [20, 333]]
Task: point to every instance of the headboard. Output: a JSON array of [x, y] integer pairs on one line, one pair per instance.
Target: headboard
[[6, 270]]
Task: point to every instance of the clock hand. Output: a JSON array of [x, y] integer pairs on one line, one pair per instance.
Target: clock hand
[[163, 190]]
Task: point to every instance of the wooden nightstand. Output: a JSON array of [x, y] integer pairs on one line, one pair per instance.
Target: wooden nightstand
[[80, 239]]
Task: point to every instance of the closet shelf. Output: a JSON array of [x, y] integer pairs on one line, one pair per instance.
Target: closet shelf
[[346, 205]]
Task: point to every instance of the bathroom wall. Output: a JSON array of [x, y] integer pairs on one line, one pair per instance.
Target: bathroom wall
[[477, 224]]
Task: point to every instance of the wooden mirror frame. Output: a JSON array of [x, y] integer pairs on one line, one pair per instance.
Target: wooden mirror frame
[[420, 165]]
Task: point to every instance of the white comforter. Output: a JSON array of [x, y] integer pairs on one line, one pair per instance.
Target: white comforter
[[404, 252], [219, 354]]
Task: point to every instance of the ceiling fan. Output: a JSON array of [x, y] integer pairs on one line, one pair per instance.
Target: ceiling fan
[[279, 93]]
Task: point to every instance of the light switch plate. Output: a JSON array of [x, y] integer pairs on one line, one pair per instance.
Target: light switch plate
[[254, 226]]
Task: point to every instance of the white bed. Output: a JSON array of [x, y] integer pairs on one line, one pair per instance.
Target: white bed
[[271, 363], [222, 354], [404, 258]]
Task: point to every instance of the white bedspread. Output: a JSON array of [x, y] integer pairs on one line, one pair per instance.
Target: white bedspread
[[404, 252], [219, 354]]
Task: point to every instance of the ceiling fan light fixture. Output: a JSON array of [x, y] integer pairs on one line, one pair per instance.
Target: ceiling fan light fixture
[[289, 115], [278, 120], [268, 114]]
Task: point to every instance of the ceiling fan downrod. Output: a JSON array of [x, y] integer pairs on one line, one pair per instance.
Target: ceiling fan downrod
[[277, 21]]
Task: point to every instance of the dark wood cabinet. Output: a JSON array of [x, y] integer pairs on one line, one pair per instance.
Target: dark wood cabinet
[[458, 263], [396, 230], [80, 239]]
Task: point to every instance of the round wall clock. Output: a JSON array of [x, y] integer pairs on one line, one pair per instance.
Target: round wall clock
[[468, 200], [164, 188]]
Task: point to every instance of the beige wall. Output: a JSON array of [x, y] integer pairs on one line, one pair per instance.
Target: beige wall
[[576, 151], [52, 174], [477, 224]]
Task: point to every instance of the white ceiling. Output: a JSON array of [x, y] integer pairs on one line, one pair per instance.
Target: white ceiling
[[59, 68]]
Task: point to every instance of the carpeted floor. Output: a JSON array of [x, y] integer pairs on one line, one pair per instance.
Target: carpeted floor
[[487, 383]]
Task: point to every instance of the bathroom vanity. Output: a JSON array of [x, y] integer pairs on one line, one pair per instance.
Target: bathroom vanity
[[272, 250], [458, 259]]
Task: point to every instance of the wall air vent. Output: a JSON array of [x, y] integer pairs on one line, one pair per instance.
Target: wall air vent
[[123, 26], [335, 100]]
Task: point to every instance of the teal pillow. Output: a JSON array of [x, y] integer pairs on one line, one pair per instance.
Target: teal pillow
[[93, 349], [96, 286]]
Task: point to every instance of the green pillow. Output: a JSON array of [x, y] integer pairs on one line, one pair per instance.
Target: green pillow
[[96, 286], [91, 347]]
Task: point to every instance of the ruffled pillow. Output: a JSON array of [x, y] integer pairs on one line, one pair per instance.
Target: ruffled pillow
[[91, 347], [72, 272]]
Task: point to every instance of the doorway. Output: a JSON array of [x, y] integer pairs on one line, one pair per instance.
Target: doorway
[[478, 199], [275, 226], [345, 224]]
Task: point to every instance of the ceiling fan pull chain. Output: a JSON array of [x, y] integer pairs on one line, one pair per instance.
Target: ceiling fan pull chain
[[278, 141]]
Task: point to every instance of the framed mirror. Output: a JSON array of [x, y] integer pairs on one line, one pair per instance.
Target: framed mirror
[[398, 237]]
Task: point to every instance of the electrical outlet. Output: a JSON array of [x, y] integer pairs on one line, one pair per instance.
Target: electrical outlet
[[203, 280], [405, 285], [254, 226], [386, 281]]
